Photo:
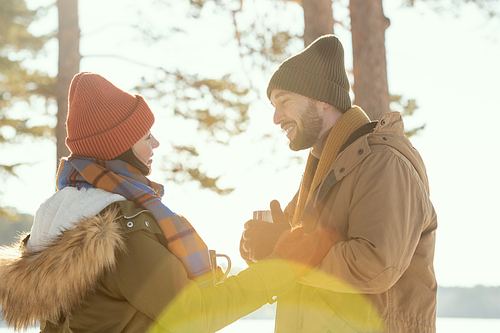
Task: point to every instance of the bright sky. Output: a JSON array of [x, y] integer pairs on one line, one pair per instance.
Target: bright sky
[[448, 64]]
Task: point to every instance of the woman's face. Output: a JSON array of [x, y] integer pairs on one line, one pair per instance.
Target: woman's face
[[143, 149]]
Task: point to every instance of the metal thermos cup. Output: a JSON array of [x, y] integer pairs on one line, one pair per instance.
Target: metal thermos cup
[[213, 261], [263, 215]]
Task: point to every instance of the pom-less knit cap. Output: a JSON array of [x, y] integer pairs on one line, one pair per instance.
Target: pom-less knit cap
[[103, 120], [318, 72]]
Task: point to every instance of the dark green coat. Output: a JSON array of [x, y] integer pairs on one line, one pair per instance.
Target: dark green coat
[[113, 273]]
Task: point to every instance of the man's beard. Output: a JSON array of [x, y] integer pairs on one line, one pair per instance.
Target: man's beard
[[308, 133]]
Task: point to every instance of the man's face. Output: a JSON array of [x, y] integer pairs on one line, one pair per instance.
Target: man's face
[[298, 116]]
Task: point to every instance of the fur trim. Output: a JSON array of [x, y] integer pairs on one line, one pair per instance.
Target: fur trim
[[41, 286]]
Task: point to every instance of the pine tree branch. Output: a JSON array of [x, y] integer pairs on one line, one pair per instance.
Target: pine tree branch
[[119, 57]]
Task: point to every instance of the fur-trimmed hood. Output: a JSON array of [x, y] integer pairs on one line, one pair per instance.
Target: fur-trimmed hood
[[41, 285]]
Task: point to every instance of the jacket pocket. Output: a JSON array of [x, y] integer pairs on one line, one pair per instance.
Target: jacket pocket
[[341, 312]]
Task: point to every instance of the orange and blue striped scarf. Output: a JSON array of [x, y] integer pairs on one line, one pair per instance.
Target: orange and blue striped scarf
[[121, 178]]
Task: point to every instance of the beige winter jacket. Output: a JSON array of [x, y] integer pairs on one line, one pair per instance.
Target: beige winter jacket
[[380, 277]]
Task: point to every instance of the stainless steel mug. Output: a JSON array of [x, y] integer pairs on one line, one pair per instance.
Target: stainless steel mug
[[213, 261], [263, 215]]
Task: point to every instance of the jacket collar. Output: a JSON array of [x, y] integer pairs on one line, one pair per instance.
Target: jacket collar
[[64, 209], [356, 149]]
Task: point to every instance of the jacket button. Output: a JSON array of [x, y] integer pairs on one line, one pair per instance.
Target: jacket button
[[342, 170], [146, 223], [130, 224], [382, 122], [360, 152], [385, 139], [274, 297]]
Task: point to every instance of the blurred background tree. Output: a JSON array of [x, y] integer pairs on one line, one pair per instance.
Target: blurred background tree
[[68, 37], [24, 92], [13, 226]]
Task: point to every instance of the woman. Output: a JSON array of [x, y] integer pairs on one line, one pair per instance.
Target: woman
[[106, 255]]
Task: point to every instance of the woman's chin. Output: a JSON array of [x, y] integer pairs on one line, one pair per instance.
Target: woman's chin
[[150, 168]]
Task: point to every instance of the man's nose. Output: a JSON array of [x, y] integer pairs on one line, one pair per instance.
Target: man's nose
[[278, 116]]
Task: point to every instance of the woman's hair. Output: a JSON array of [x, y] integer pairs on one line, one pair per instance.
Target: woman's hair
[[129, 157]]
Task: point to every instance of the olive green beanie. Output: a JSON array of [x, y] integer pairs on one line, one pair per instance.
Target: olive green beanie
[[318, 72]]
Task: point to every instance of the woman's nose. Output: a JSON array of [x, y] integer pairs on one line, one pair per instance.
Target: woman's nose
[[155, 142]]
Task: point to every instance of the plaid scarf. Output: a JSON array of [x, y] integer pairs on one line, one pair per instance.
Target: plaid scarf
[[121, 178]]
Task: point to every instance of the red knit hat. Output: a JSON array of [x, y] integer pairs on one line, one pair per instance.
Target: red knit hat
[[103, 120]]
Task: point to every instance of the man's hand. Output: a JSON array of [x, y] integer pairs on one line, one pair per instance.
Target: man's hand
[[260, 237], [303, 252], [277, 213]]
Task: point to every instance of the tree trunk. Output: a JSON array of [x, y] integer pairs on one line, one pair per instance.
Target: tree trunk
[[368, 25], [69, 65], [318, 19]]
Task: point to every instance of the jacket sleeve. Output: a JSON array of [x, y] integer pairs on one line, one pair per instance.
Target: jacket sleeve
[[155, 282], [385, 217]]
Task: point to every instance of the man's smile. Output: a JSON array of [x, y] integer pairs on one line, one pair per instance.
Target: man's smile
[[288, 128]]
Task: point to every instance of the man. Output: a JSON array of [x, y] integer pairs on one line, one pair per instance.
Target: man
[[366, 180]]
